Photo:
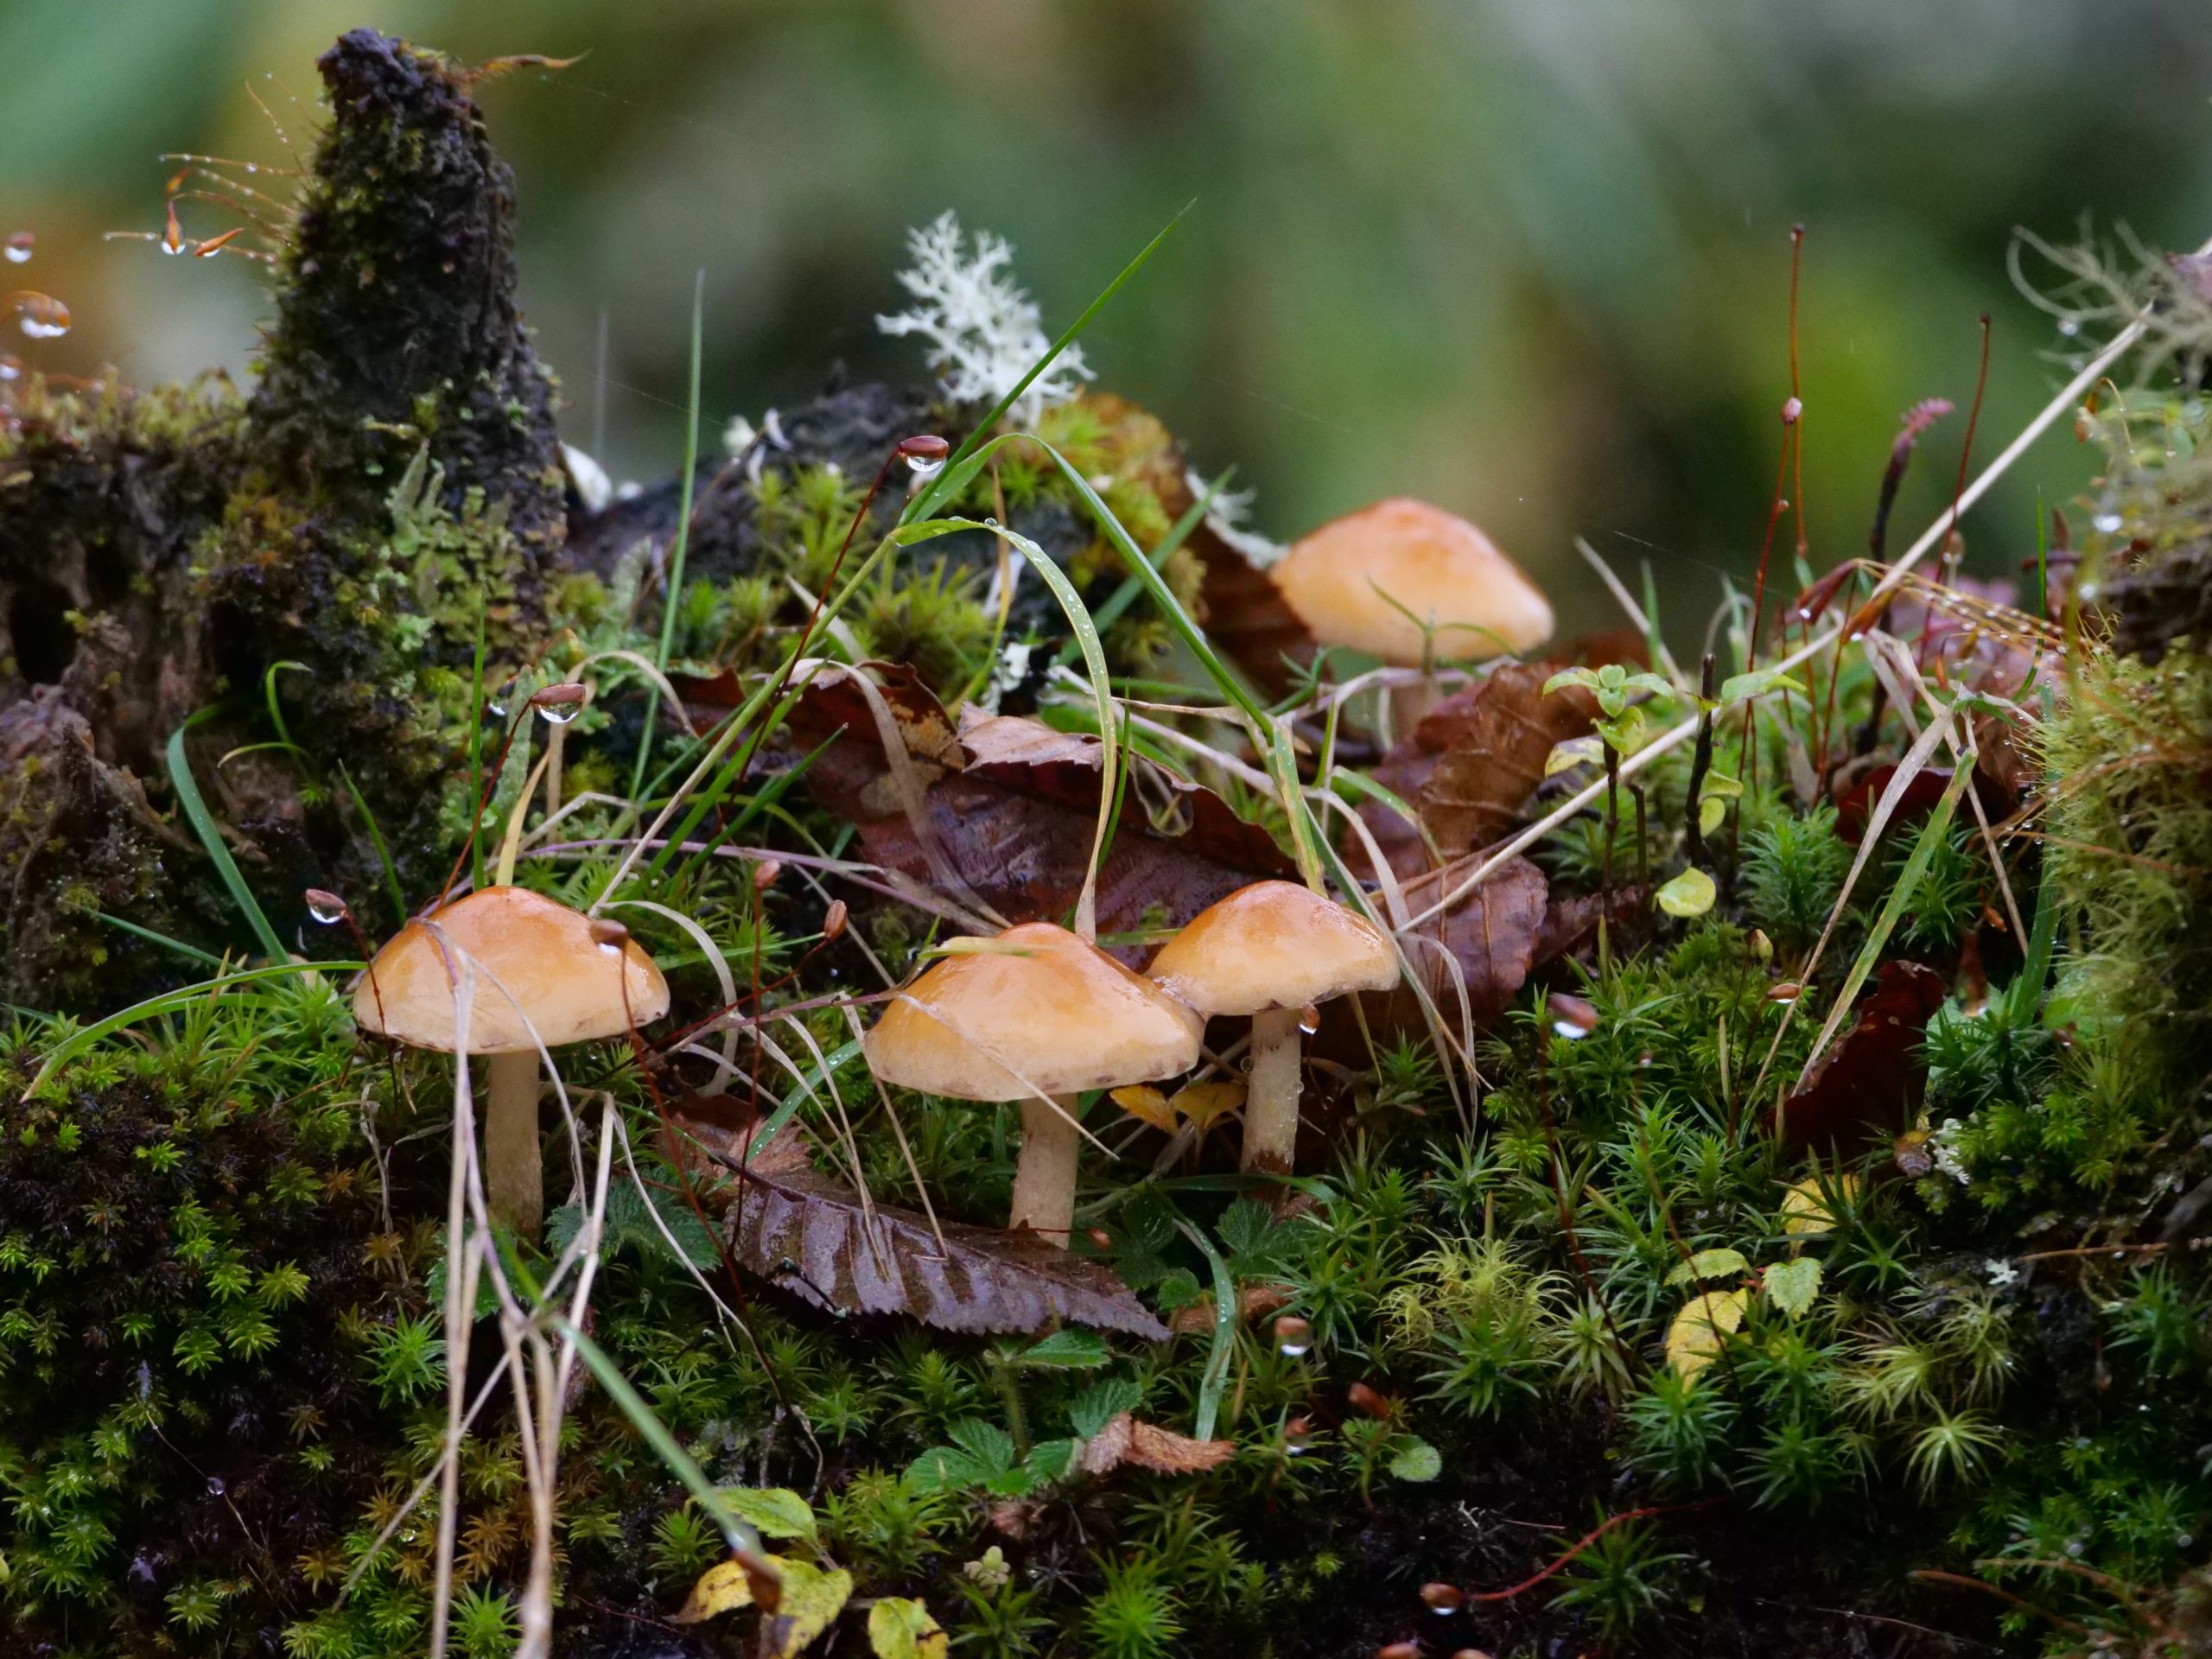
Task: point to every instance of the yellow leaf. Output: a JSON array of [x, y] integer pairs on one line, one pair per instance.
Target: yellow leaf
[[1805, 1209], [1147, 1105], [900, 1629], [1202, 1103], [812, 1598], [723, 1588], [1694, 1339]]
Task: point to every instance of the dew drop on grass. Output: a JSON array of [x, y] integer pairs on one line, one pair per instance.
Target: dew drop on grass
[[2069, 328], [18, 247]]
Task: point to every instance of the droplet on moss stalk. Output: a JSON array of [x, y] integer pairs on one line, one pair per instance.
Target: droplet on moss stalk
[[325, 906], [18, 247], [1572, 1017], [41, 316], [1293, 1336]]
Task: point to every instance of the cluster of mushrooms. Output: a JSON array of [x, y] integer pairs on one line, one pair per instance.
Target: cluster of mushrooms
[[1038, 1015]]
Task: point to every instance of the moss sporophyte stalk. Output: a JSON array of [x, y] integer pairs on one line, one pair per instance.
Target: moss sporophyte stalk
[[1046, 1088]]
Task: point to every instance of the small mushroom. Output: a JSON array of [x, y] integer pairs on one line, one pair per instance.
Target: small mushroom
[[1270, 950], [1037, 1015], [558, 972], [1410, 583]]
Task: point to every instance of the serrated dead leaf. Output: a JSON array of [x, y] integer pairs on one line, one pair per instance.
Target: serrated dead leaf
[[1147, 1105], [1204, 1103], [723, 1588]]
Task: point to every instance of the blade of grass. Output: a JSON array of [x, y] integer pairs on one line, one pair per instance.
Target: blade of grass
[[168, 1002], [1125, 595], [476, 742], [743, 1540], [376, 835], [672, 583], [1933, 831], [1215, 1382], [203, 824], [163, 939]]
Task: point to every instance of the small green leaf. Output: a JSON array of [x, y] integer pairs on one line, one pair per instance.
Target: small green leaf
[[774, 1511], [1068, 1351], [1709, 1264], [1710, 811], [1049, 1461], [1738, 688], [1792, 1286], [1413, 1458], [1690, 893]]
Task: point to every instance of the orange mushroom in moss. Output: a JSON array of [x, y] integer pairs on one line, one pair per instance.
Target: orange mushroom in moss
[[1039, 1015], [544, 976], [1413, 585], [1271, 950]]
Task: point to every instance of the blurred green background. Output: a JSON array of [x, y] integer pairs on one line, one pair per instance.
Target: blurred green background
[[1528, 257]]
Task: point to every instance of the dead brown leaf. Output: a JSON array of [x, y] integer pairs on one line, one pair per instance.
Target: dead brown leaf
[[1125, 1441], [1871, 1079], [813, 1237], [1012, 804]]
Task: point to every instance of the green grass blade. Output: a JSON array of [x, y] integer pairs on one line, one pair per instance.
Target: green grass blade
[[1125, 595], [203, 824], [268, 693], [672, 586], [1215, 1382], [1932, 832], [740, 1537], [376, 835], [163, 939], [957, 473], [169, 1002]]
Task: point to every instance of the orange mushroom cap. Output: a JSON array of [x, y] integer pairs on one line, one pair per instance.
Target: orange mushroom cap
[[1036, 1002], [559, 978], [1348, 580], [1274, 945]]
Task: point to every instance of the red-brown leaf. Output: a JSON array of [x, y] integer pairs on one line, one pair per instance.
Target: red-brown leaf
[[1013, 804], [1870, 1081]]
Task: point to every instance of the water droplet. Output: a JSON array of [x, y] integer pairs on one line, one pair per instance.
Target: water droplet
[[11, 368], [500, 700], [325, 906], [559, 714], [18, 247], [1442, 1598], [215, 1486], [1293, 1336], [43, 316], [924, 468], [2107, 522], [1785, 993], [2068, 326], [1572, 1017], [1309, 1019]]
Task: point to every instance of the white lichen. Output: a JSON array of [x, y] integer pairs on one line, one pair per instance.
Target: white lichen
[[1226, 516], [981, 331], [1943, 1147]]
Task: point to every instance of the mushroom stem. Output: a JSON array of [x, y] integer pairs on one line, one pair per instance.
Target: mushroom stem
[[1044, 1175], [514, 1176], [1409, 706], [1271, 1096]]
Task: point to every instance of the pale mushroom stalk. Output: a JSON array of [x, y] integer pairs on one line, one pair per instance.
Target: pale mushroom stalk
[[1040, 1016], [1272, 1092], [1272, 951], [514, 1164], [547, 976], [1044, 1172]]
